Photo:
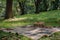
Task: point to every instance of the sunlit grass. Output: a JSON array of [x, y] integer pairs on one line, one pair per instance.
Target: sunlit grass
[[50, 18]]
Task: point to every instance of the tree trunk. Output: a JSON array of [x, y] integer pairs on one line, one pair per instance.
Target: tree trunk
[[21, 5], [56, 4], [37, 3], [45, 5], [9, 13]]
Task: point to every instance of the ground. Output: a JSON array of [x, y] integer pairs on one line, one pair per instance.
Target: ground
[[12, 36], [8, 36], [33, 32], [50, 18]]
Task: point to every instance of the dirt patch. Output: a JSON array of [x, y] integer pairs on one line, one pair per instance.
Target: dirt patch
[[35, 31]]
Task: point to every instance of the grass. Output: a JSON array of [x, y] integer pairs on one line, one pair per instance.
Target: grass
[[55, 36], [50, 18], [15, 36], [12, 36]]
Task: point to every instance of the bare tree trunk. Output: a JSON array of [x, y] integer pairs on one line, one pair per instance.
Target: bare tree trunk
[[56, 4], [21, 5], [9, 13], [37, 3], [45, 5]]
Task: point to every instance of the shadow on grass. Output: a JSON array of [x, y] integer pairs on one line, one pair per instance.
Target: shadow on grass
[[55, 36], [12, 36]]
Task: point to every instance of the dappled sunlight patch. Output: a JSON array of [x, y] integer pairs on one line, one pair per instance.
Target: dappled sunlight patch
[[16, 19], [19, 24], [13, 25], [50, 18]]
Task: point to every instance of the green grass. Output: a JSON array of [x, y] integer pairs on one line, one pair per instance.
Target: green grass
[[50, 18], [55, 36], [12, 36], [15, 36]]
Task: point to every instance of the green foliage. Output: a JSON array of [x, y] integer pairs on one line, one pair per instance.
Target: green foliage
[[21, 0], [50, 17], [30, 5]]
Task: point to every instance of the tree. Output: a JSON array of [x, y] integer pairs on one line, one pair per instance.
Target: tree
[[22, 6], [45, 5], [9, 13], [37, 3], [54, 4]]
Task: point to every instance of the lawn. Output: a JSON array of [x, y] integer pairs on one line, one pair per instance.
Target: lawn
[[15, 36], [51, 18], [55, 36], [12, 36]]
